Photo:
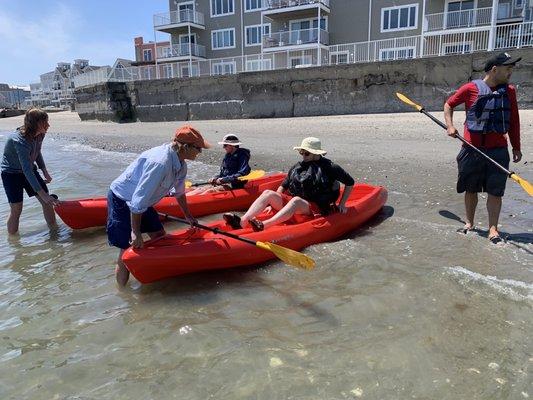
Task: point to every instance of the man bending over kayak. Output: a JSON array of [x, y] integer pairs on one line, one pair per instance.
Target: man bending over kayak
[[234, 165], [145, 182], [311, 187]]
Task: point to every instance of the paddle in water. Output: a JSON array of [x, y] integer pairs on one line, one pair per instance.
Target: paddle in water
[[255, 174], [528, 187], [288, 256]]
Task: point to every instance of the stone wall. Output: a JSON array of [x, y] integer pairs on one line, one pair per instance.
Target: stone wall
[[331, 90]]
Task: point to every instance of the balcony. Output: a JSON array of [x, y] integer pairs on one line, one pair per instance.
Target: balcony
[[169, 21], [304, 38], [180, 51], [458, 19], [287, 6]]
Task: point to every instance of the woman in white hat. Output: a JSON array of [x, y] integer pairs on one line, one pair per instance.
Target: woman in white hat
[[234, 165], [311, 187]]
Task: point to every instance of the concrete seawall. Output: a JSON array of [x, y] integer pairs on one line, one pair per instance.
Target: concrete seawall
[[330, 90]]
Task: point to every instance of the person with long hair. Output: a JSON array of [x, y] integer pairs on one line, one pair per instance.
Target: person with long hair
[[20, 163]]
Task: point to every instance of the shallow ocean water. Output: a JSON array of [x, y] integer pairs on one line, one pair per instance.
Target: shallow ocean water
[[404, 307]]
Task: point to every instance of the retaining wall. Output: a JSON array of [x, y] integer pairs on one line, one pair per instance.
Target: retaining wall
[[340, 89]]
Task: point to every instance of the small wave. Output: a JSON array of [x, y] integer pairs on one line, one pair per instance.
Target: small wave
[[108, 153], [515, 290]]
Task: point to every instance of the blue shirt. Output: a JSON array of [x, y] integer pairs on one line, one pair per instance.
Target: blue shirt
[[150, 178], [20, 156]]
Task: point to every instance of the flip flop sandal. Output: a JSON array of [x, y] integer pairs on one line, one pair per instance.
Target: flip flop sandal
[[496, 239], [257, 225], [232, 220]]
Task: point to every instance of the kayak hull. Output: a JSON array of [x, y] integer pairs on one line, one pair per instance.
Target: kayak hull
[[92, 212], [184, 252]]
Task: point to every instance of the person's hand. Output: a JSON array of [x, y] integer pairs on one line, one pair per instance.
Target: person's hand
[[49, 199], [452, 131], [517, 155], [268, 209], [218, 181], [47, 177], [193, 221], [342, 208], [136, 240], [213, 181]]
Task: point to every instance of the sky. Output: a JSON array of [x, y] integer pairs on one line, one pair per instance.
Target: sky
[[37, 34]]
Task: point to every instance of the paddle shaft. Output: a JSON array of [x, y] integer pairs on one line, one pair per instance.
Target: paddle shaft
[[462, 139], [208, 228]]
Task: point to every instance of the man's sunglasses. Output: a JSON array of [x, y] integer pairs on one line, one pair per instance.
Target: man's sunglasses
[[304, 153], [197, 148]]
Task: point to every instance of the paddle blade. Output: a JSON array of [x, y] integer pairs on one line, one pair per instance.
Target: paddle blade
[[528, 187], [188, 184], [256, 173], [406, 100], [288, 256]]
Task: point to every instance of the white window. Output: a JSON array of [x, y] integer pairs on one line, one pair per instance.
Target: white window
[[457, 48], [253, 34], [224, 67], [167, 70], [302, 60], [147, 55], [397, 53], [185, 71], [222, 7], [223, 39], [399, 18], [341, 57], [257, 65], [253, 5]]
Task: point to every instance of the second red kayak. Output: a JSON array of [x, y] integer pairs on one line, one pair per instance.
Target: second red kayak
[[92, 212]]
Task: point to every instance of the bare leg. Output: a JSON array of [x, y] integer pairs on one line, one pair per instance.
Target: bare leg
[[155, 235], [470, 207], [121, 272], [49, 213], [296, 205], [267, 198], [14, 218], [494, 206]]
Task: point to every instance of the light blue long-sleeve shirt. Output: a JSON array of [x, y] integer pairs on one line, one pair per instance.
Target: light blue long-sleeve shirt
[[20, 156], [150, 178]]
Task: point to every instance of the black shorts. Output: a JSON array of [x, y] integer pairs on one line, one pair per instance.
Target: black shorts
[[16, 183], [119, 221], [477, 174]]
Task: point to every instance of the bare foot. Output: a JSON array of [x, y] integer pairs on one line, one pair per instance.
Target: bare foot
[[122, 274], [465, 229]]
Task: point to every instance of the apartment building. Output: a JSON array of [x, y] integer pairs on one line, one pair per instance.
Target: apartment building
[[229, 36]]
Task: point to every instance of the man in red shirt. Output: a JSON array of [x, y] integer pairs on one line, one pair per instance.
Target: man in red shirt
[[491, 117]]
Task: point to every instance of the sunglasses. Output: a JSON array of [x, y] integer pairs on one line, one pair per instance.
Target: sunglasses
[[197, 148], [304, 153], [227, 145]]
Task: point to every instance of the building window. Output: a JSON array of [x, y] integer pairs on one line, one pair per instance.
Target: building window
[[399, 18], [147, 55], [253, 34], [303, 61], [222, 7], [339, 58], [223, 39], [224, 68], [253, 5], [167, 71], [257, 65], [457, 48], [397, 53]]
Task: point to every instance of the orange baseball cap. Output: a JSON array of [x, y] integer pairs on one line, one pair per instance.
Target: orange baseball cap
[[187, 134]]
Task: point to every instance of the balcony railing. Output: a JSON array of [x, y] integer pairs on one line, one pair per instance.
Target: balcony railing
[[295, 38], [458, 19], [181, 50], [178, 17], [277, 4]]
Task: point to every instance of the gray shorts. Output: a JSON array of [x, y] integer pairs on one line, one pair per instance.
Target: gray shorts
[[477, 174]]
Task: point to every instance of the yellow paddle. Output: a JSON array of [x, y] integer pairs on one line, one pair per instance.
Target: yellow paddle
[[254, 174], [528, 187], [288, 256]]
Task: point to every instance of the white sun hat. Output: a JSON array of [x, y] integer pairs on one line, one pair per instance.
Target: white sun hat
[[231, 139], [312, 145]]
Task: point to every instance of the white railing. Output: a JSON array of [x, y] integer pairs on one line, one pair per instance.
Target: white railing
[[181, 50], [178, 17], [295, 38], [505, 36], [458, 19], [276, 4]]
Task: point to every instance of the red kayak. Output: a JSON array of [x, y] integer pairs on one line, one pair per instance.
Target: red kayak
[[87, 213], [185, 251]]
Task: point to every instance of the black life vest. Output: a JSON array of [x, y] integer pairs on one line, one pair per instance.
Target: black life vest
[[491, 112], [310, 181]]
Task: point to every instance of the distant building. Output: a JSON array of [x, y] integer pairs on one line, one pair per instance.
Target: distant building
[[145, 52], [13, 96], [56, 87]]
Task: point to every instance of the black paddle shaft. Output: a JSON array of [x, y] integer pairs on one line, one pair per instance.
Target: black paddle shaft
[[462, 139], [208, 228]]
